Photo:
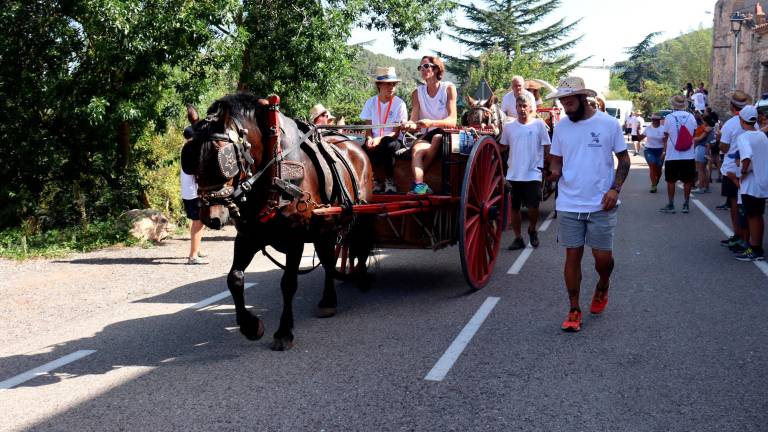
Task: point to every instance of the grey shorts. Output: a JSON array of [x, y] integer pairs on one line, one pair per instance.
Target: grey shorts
[[595, 229]]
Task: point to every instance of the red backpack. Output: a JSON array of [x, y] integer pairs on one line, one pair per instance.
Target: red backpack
[[684, 138]]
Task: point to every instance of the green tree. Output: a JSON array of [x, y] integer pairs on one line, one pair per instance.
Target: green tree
[[617, 89], [495, 67], [641, 65], [513, 27], [686, 58], [655, 96]]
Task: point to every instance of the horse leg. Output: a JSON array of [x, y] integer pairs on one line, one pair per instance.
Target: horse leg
[[325, 248], [360, 247], [250, 326], [283, 338]]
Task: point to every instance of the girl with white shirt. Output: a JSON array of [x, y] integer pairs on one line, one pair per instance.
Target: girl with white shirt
[[654, 147], [433, 108]]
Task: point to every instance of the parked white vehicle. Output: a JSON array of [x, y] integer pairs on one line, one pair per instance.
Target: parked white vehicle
[[620, 109]]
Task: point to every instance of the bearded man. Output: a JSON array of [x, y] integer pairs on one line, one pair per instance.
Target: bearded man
[[581, 154]]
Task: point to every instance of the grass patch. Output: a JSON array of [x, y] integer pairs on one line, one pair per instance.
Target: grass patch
[[20, 244]]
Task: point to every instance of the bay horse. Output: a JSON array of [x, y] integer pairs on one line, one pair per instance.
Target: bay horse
[[268, 172]]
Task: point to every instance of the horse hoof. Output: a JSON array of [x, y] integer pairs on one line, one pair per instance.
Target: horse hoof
[[252, 332], [326, 312], [282, 344]]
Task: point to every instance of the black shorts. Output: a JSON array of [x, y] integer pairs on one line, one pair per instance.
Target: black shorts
[[627, 131], [525, 192], [753, 206], [192, 208], [683, 170], [635, 137], [729, 188], [429, 135]]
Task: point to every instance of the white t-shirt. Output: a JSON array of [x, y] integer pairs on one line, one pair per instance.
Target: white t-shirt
[[731, 130], [509, 103], [378, 115], [526, 149], [699, 101], [671, 123], [630, 120], [188, 186], [729, 160], [637, 124], [655, 137], [587, 149], [754, 146]]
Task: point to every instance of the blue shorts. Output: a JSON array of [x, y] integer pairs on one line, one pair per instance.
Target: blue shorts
[[653, 156], [192, 208], [700, 155], [593, 229]]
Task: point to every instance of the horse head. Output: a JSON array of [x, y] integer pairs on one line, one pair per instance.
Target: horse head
[[223, 151], [484, 114]]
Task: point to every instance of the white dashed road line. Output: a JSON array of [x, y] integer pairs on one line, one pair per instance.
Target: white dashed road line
[[213, 299], [44, 369], [441, 368], [526, 253]]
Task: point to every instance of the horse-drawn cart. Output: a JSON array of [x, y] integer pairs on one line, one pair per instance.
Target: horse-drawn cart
[[467, 208]]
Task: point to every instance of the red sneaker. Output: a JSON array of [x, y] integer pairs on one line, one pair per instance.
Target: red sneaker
[[598, 306], [573, 322]]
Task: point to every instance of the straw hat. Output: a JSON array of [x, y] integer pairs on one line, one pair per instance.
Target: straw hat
[[571, 86], [678, 102], [385, 74], [739, 99], [317, 111]]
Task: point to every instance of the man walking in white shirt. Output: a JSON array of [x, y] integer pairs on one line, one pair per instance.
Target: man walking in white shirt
[[582, 152], [528, 142], [679, 163]]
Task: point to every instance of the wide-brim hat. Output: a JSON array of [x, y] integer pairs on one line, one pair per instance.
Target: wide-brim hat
[[739, 99], [385, 74], [571, 86], [318, 110], [678, 102]]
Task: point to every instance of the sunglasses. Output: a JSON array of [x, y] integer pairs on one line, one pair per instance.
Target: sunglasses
[[425, 66]]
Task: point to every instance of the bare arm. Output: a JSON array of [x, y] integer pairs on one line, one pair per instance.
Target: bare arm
[[555, 167], [447, 122], [622, 172]]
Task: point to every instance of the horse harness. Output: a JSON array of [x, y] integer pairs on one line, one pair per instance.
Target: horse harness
[[234, 158]]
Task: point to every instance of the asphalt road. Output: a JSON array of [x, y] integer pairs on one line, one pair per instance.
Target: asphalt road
[[682, 345]]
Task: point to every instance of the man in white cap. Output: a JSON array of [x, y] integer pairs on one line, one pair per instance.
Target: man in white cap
[[509, 101], [753, 183], [730, 131], [381, 143], [582, 152], [320, 116], [679, 152]]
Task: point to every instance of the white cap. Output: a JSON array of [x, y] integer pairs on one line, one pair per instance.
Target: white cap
[[748, 114]]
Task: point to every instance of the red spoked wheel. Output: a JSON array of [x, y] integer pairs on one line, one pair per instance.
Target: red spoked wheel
[[480, 212]]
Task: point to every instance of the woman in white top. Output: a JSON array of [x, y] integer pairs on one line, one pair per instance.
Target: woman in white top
[[654, 147], [434, 108]]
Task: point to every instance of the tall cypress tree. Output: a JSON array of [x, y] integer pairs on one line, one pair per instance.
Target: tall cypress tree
[[511, 26]]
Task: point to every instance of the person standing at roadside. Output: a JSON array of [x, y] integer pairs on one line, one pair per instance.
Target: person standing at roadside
[[582, 152], [701, 138], [528, 142], [753, 184], [679, 164], [636, 128], [192, 210], [730, 131], [654, 147], [509, 101]]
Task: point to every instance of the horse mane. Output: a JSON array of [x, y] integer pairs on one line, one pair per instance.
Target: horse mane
[[241, 106]]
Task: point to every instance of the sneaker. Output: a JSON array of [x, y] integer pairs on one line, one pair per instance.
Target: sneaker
[[725, 206], [421, 189], [573, 322], [730, 241], [685, 208], [534, 238], [201, 255], [598, 306], [517, 244], [389, 186], [700, 190], [737, 248], [378, 186], [653, 189], [196, 261], [749, 255], [669, 208]]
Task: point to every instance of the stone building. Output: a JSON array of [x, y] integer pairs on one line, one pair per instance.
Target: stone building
[[752, 68]]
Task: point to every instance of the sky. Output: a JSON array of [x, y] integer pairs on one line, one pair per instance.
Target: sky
[[608, 26]]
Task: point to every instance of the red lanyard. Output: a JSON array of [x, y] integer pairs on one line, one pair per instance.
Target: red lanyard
[[386, 115]]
